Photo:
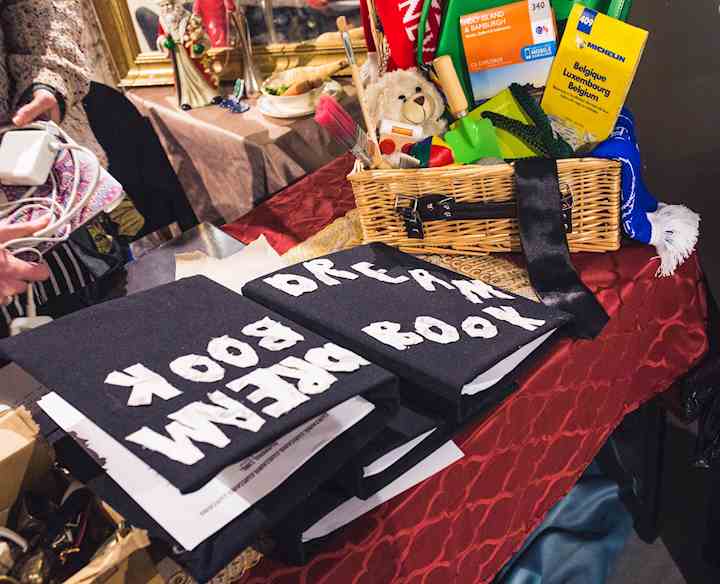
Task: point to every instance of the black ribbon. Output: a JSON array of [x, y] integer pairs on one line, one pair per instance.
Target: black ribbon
[[545, 246]]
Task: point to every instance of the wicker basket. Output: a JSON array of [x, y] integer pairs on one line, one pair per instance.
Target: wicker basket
[[594, 185]]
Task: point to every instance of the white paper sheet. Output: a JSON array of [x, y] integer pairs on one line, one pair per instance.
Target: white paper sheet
[[390, 458], [498, 371], [253, 261], [354, 508], [194, 517]]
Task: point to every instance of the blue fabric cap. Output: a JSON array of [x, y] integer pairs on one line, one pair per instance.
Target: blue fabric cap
[[637, 201]]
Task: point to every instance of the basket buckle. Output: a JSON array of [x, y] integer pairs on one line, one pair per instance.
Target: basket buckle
[[437, 206], [407, 207], [566, 206], [400, 207]]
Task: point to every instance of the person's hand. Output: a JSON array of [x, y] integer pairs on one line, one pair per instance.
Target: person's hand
[[14, 273], [43, 106]]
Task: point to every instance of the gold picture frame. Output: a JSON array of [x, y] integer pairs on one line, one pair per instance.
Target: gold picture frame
[[136, 68]]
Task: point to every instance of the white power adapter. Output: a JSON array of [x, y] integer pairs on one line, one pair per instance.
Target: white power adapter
[[27, 323], [31, 320], [27, 157]]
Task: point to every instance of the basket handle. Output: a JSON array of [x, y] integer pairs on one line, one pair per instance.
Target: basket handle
[[414, 211]]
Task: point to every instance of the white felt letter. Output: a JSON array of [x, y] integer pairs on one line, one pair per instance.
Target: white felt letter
[[428, 281], [475, 291], [366, 269], [196, 421], [232, 352], [197, 368], [224, 411], [332, 357], [389, 333], [311, 378], [235, 413], [509, 314], [291, 284], [270, 386], [479, 328], [274, 336], [445, 334], [324, 271], [145, 384], [178, 447]]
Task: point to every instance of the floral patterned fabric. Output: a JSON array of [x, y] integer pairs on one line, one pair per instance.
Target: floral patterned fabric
[[107, 194]]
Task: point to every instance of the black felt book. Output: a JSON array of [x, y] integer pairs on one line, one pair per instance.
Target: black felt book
[[268, 514], [290, 544], [191, 377], [399, 447], [452, 338]]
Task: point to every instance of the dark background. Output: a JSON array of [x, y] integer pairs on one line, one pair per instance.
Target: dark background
[[676, 101]]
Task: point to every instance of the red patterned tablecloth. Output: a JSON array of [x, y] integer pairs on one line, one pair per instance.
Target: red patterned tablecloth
[[462, 525]]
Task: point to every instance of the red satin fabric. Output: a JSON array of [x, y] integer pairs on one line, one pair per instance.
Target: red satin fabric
[[462, 525], [301, 210]]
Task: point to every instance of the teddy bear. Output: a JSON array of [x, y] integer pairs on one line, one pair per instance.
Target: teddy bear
[[406, 96]]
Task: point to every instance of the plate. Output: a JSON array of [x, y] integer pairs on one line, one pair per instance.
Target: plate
[[268, 108]]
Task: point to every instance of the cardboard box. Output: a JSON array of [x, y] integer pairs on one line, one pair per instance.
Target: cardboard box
[[24, 457], [118, 564]]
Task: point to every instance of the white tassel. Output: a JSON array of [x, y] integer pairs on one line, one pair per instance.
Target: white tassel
[[675, 230]]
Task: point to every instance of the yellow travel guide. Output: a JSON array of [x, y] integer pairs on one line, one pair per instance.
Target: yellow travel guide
[[592, 73]]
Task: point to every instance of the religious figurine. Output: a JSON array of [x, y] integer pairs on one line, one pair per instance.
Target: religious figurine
[[183, 38]]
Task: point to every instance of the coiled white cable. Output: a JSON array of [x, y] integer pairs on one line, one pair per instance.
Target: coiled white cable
[[60, 215]]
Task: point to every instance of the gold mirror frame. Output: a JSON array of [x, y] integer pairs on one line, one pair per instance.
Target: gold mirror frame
[[138, 69]]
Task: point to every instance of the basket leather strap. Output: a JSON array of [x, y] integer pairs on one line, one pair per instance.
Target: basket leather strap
[[415, 211], [544, 244], [441, 207]]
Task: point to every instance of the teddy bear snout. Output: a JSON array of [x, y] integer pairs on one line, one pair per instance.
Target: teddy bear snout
[[420, 100]]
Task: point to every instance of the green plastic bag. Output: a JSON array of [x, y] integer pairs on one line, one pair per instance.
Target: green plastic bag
[[616, 8], [450, 41]]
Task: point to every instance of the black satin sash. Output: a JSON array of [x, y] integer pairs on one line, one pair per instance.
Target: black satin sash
[[545, 246]]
